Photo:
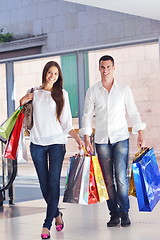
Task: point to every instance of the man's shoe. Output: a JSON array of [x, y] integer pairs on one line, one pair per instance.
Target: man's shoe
[[114, 221], [125, 221]]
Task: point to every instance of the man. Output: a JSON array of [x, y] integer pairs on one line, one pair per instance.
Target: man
[[110, 100]]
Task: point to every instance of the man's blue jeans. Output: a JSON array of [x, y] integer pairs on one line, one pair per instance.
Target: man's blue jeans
[[113, 159], [48, 163]]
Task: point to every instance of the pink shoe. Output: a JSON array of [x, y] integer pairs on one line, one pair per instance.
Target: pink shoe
[[59, 227], [45, 236]]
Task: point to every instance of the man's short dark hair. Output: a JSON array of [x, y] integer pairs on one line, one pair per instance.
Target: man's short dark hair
[[106, 58]]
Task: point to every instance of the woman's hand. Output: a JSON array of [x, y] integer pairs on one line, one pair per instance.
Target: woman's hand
[[80, 142], [28, 97], [75, 135]]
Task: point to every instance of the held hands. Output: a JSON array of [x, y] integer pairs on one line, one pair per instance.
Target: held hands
[[28, 97]]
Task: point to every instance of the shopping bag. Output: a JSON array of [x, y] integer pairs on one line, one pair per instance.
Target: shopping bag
[[137, 157], [93, 196], [12, 144], [147, 180], [132, 189], [88, 188], [102, 190], [22, 150], [85, 183], [73, 180], [7, 126]]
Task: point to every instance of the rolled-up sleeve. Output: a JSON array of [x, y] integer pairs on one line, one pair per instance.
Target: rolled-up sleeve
[[133, 113], [66, 116], [87, 115]]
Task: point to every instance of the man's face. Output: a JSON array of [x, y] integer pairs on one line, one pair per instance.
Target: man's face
[[106, 69]]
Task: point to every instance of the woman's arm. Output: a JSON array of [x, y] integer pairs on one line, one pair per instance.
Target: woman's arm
[[26, 98], [74, 135]]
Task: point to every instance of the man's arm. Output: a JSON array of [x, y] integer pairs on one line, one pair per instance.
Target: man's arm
[[88, 112]]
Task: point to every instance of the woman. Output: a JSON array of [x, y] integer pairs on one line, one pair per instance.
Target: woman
[[52, 121]]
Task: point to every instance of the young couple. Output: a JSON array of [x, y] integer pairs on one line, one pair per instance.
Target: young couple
[[109, 100]]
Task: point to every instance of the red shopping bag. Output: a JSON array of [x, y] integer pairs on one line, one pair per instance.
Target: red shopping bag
[[93, 191], [12, 145]]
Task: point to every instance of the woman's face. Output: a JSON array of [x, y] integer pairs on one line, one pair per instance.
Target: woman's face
[[52, 75]]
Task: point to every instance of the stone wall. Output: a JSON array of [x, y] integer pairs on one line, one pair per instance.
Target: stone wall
[[70, 25]]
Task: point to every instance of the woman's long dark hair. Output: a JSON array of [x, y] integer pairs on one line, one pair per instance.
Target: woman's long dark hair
[[56, 92]]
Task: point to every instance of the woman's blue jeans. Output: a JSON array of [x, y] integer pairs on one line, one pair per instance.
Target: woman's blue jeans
[[113, 159], [48, 163]]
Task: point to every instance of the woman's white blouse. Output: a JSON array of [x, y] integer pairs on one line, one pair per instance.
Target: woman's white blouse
[[46, 128]]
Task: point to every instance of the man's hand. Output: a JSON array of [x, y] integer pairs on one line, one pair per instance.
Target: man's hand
[[88, 145], [140, 139]]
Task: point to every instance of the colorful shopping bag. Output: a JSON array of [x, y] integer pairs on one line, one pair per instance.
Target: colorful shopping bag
[[147, 180], [88, 188], [91, 187], [7, 126], [93, 196], [137, 157], [102, 190], [12, 144], [132, 189]]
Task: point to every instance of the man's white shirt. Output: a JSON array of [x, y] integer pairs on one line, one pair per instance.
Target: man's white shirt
[[110, 109]]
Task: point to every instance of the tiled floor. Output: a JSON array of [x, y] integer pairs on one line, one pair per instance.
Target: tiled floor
[[23, 222]]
